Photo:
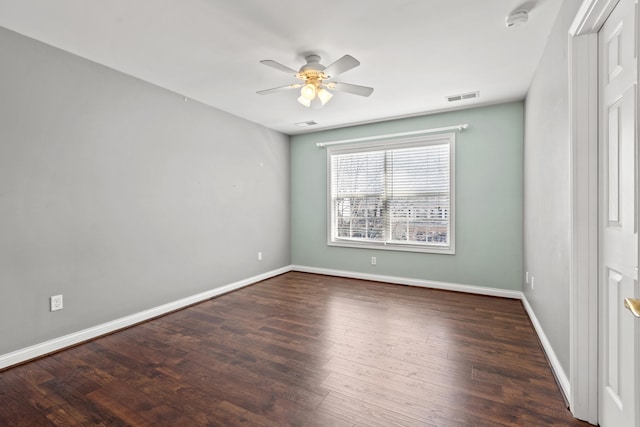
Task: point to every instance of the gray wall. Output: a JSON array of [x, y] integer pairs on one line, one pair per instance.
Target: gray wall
[[488, 202], [121, 196], [547, 188]]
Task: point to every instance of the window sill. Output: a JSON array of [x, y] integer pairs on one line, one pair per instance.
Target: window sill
[[444, 250]]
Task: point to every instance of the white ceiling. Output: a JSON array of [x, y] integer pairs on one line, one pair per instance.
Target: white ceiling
[[413, 52]]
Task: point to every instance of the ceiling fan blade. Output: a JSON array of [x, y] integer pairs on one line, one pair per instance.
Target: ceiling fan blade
[[278, 89], [347, 87], [278, 66], [343, 64]]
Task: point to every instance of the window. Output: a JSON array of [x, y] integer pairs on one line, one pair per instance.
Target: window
[[396, 195]]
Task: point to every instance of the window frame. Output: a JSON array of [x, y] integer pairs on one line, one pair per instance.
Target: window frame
[[376, 145]]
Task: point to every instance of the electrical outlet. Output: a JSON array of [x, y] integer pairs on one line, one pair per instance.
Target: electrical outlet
[[526, 277], [55, 302], [259, 256], [373, 260], [532, 285]]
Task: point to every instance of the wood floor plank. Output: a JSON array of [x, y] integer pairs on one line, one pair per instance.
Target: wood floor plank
[[361, 412], [135, 407], [17, 411], [302, 350], [409, 404]]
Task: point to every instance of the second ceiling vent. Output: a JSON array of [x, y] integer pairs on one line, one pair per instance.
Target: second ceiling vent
[[462, 96]]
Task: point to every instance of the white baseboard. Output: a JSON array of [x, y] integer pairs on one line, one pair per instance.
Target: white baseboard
[[38, 350], [560, 374], [504, 293]]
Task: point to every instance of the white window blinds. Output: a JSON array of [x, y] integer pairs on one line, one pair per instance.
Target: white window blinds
[[394, 197]]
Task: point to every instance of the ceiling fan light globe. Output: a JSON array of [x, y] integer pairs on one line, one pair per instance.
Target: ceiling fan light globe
[[308, 91], [325, 96], [304, 101]]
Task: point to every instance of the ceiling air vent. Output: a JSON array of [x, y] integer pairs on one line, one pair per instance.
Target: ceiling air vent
[[305, 124], [463, 96]]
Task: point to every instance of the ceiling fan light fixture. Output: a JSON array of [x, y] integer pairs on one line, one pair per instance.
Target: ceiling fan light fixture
[[324, 95], [304, 101], [308, 91]]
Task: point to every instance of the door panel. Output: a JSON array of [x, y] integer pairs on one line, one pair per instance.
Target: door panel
[[618, 346], [612, 381]]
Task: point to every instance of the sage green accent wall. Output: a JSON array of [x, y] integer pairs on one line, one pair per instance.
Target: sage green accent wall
[[489, 198]]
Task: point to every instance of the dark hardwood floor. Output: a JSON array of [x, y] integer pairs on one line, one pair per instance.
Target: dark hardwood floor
[[307, 350]]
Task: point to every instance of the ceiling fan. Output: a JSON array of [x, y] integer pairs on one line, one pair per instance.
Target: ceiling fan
[[316, 79]]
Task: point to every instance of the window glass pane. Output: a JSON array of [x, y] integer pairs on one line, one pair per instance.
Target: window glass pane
[[360, 217], [419, 169], [420, 219], [359, 173], [419, 194]]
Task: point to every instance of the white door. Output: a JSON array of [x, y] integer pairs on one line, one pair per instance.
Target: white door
[[619, 346]]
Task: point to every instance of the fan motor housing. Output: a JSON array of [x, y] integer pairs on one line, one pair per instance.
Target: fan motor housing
[[308, 73]]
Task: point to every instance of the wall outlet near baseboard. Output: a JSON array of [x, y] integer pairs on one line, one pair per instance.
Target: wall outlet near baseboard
[[259, 256], [532, 285], [55, 302], [526, 277], [374, 261]]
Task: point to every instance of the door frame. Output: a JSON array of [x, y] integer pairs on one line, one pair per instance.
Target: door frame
[[583, 110]]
